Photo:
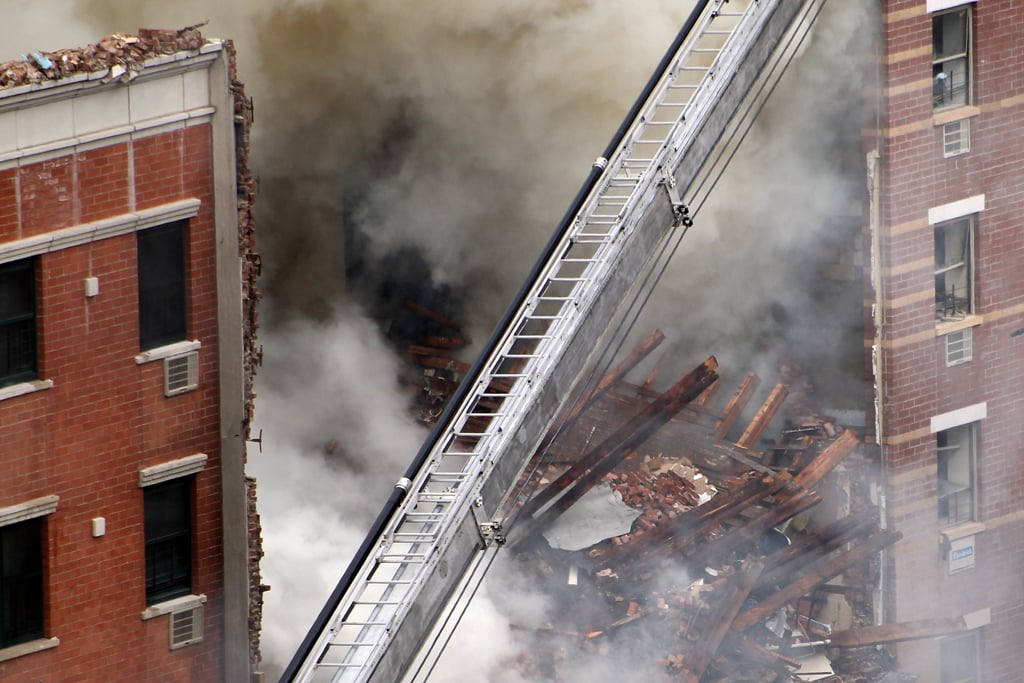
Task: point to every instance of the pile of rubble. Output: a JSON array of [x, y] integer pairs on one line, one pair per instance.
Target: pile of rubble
[[734, 598], [118, 56]]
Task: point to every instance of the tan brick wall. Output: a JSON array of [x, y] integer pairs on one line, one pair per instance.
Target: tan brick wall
[[916, 382]]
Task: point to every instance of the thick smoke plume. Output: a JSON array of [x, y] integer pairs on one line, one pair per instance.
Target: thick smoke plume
[[459, 131]]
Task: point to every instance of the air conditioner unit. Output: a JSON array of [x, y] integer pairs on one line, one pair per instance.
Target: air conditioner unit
[[959, 346], [181, 373], [186, 627], [956, 138]]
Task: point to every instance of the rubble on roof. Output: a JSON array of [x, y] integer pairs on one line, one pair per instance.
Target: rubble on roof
[[120, 55]]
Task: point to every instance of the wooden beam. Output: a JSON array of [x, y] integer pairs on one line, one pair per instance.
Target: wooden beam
[[895, 633], [764, 416], [728, 606], [752, 531], [811, 475], [736, 404], [610, 452], [611, 378], [783, 564], [805, 584]]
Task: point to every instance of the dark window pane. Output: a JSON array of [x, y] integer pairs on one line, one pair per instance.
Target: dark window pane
[[161, 260], [21, 582], [17, 322], [949, 33], [168, 528]]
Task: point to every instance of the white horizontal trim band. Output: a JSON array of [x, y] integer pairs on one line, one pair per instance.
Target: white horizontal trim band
[[98, 230], [37, 507], [961, 416], [938, 5], [182, 467], [32, 646], [161, 352], [181, 604], [22, 388], [957, 209]]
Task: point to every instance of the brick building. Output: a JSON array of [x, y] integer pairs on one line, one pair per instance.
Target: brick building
[[947, 201], [126, 356]]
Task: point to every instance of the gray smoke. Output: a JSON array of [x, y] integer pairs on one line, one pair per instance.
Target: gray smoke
[[461, 130]]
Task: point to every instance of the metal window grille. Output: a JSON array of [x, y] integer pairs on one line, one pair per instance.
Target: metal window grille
[[956, 474], [954, 274], [181, 373], [959, 346], [186, 627], [956, 138]]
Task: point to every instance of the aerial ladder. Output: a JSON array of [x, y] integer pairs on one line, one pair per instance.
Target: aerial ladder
[[444, 516]]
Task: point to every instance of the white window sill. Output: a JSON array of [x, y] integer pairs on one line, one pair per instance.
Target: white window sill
[[954, 113], [944, 328], [964, 530], [176, 605], [23, 388], [28, 648], [161, 352]]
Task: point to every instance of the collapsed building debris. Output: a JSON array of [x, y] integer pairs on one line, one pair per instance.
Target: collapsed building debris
[[116, 56], [729, 555]]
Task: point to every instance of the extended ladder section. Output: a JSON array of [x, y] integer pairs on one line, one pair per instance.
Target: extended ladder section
[[443, 513]]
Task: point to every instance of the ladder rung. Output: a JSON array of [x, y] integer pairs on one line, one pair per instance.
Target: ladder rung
[[409, 537], [447, 476], [338, 665], [364, 623], [408, 558]]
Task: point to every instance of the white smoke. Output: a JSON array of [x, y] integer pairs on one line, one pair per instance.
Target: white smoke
[[335, 438], [462, 129]]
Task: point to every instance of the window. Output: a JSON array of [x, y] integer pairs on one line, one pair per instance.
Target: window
[[956, 474], [954, 291], [959, 659], [168, 528], [21, 582], [161, 264], [17, 322], [951, 70]]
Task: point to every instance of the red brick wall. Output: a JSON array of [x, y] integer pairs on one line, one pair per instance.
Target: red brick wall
[[105, 417], [916, 382]]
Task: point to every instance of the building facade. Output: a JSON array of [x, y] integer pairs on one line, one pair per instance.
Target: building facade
[[947, 187], [126, 356]]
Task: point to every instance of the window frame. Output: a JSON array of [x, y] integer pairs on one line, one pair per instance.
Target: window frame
[[11, 321], [176, 545], [163, 295], [950, 490], [947, 307], [952, 647], [36, 574], [939, 61]]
